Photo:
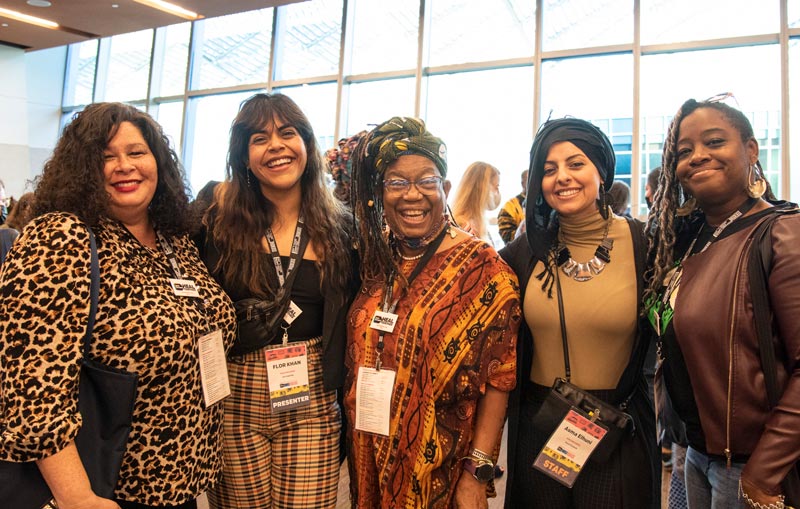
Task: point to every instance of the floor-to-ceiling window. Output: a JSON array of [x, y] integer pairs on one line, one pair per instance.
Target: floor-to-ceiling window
[[483, 75]]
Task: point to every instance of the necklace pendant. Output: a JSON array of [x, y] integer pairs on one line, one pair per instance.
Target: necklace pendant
[[583, 272]]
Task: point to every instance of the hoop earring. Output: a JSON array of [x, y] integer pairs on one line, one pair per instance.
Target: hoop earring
[[689, 206], [757, 184]]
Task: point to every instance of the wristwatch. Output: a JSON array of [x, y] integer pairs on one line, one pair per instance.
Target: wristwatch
[[480, 469]]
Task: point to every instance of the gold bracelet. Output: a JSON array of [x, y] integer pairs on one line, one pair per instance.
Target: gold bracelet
[[758, 505]]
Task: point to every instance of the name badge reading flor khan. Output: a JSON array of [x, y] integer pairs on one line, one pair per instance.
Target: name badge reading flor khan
[[287, 373]]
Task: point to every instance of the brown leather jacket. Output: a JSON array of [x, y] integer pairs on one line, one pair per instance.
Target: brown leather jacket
[[714, 326]]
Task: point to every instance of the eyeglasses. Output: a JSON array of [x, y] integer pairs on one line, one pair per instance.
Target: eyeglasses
[[721, 98], [427, 186]]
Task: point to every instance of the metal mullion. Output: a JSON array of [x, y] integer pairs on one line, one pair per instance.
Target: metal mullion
[[537, 67], [786, 178], [487, 65], [420, 50], [101, 69], [273, 37], [636, 146], [711, 44], [344, 42], [156, 48]]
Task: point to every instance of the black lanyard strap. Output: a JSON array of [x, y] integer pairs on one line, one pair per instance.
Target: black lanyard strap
[[430, 250], [170, 254], [298, 246]]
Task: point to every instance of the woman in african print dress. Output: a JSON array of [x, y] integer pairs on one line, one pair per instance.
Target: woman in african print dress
[[431, 335]]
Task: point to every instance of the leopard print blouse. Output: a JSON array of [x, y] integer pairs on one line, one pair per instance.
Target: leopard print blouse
[[175, 447]]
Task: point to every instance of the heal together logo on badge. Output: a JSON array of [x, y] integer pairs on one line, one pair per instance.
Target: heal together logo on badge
[[383, 321]]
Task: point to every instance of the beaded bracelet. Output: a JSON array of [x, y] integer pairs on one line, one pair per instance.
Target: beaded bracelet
[[758, 505]]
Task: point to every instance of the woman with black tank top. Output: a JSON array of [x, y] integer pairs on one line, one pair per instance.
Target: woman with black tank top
[[277, 241]]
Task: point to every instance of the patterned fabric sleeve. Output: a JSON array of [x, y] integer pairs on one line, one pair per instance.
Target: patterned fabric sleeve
[[498, 365], [44, 308], [509, 217]]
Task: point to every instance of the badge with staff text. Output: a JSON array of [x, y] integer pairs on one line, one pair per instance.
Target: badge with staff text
[[287, 373], [569, 447]]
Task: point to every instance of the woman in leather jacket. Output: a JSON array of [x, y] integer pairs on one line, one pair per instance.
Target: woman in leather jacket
[[708, 207]]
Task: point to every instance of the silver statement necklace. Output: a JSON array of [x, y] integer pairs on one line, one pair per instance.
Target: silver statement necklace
[[586, 271]]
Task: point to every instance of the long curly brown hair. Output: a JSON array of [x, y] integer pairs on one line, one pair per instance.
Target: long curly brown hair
[[242, 214], [72, 180]]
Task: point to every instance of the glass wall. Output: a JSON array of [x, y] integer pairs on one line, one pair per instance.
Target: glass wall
[[483, 75]]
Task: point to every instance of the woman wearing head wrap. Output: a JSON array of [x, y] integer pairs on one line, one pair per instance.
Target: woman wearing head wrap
[[577, 254], [431, 335]]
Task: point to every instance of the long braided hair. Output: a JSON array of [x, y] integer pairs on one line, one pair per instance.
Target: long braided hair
[[379, 148], [665, 227]]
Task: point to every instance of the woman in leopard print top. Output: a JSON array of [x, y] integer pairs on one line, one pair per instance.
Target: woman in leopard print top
[[112, 170]]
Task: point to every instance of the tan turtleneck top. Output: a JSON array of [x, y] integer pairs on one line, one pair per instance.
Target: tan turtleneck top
[[600, 314]]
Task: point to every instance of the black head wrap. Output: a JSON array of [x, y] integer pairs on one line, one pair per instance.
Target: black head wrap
[[401, 136], [541, 227]]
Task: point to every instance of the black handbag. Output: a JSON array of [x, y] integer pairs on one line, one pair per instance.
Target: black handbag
[[758, 272], [565, 396], [260, 321], [106, 399]]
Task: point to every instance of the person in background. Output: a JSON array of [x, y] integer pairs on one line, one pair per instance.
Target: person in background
[[569, 221], [478, 191], [4, 202], [7, 238], [112, 171], [620, 198], [651, 186], [432, 333], [282, 443], [21, 213], [340, 165], [512, 213], [712, 197]]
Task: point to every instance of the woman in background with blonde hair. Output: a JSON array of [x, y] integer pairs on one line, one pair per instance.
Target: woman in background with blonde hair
[[478, 192]]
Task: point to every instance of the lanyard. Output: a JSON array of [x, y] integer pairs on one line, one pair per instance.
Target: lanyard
[[387, 296], [295, 257], [675, 278], [170, 254], [742, 210]]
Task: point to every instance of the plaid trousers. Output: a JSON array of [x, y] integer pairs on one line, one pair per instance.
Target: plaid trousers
[[287, 460]]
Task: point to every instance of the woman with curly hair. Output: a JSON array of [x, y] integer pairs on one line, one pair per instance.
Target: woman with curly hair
[[278, 241], [723, 298], [112, 173], [431, 335]]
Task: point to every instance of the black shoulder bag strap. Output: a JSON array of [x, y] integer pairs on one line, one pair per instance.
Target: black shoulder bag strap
[[758, 269], [94, 293]]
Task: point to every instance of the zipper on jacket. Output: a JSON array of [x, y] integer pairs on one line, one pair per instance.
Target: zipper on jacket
[[729, 402]]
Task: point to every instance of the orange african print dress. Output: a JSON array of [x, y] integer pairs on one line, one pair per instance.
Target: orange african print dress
[[456, 331]]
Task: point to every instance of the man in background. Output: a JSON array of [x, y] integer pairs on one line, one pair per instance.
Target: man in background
[[513, 212]]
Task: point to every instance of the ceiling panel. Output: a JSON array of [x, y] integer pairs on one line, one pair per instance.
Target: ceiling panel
[[81, 20]]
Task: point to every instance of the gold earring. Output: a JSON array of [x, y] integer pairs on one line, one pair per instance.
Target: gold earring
[[757, 185]]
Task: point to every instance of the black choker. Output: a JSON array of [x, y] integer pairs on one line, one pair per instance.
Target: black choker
[[586, 271]]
